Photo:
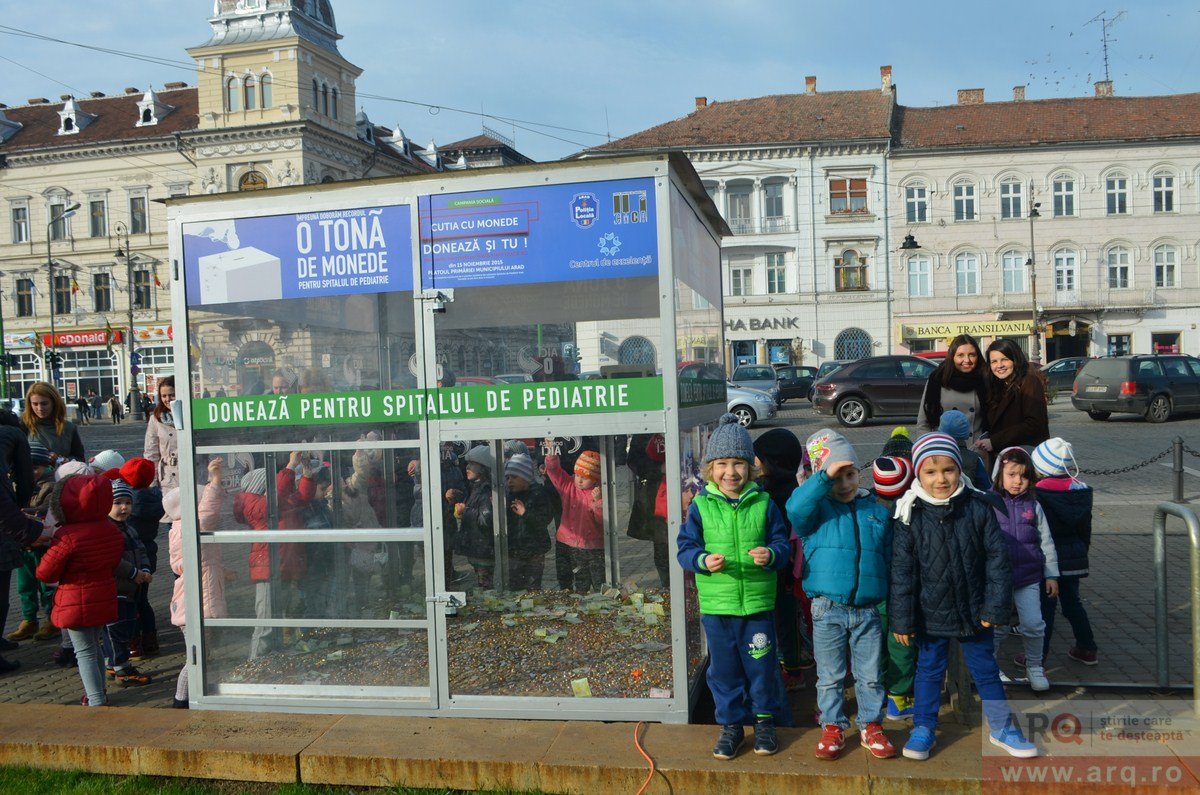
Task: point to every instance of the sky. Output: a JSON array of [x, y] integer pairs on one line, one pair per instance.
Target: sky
[[601, 69]]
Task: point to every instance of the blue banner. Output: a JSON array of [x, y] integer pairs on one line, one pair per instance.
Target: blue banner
[[550, 233], [336, 252]]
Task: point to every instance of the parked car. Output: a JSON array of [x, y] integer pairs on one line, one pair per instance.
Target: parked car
[[795, 381], [825, 369], [1060, 373], [473, 380], [749, 405], [757, 376], [512, 378], [1155, 386], [879, 386]]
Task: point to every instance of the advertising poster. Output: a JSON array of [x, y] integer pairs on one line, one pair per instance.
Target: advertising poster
[[551, 233], [306, 255]]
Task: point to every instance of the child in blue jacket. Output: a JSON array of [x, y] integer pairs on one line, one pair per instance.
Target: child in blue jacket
[[735, 540], [847, 546]]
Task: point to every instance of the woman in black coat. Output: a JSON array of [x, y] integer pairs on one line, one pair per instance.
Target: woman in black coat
[[1016, 409]]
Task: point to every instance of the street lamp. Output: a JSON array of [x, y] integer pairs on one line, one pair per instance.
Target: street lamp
[[62, 215], [1035, 356], [135, 394]]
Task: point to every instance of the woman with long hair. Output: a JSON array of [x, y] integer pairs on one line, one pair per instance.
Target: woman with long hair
[[1016, 407], [957, 383], [161, 444], [45, 420]]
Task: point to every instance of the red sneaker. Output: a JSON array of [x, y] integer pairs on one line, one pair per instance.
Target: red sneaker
[[875, 741], [833, 740], [1085, 656]]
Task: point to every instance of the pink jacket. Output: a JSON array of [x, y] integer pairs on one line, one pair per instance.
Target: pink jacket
[[212, 561], [582, 524]]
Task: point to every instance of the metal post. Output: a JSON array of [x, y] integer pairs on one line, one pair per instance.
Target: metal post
[[1177, 468], [54, 219], [1160, 593], [1035, 355], [3, 356], [126, 253]]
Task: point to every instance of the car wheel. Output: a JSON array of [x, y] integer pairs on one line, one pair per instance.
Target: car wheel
[[852, 412], [1099, 416], [1159, 409], [745, 416]]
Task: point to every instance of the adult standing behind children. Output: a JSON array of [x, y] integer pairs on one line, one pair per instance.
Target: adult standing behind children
[[161, 444], [45, 421], [957, 383], [1016, 408]]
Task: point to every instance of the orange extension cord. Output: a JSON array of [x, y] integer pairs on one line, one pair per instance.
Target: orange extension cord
[[638, 742]]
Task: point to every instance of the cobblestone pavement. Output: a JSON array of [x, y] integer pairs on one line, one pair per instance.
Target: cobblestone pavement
[[1119, 594]]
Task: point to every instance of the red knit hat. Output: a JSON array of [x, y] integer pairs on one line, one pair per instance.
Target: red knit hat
[[656, 449], [892, 475], [138, 472], [588, 465]]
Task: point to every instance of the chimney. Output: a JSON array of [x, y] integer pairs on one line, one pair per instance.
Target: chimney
[[701, 103], [132, 90], [1104, 88], [885, 79], [37, 101], [65, 97], [1018, 93], [97, 94], [970, 96], [810, 84], [174, 85]]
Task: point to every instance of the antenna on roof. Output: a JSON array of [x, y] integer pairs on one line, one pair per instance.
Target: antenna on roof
[[1105, 24]]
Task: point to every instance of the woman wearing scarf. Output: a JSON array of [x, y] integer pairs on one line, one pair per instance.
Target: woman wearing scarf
[[957, 383]]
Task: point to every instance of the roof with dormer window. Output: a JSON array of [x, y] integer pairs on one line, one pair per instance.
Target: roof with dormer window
[[114, 119]]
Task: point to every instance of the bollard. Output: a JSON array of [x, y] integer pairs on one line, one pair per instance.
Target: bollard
[[1177, 467], [1160, 594]]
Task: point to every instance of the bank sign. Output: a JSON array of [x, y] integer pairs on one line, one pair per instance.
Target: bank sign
[[993, 328]]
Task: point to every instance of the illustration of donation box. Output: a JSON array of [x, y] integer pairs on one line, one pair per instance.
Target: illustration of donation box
[[439, 435], [243, 274]]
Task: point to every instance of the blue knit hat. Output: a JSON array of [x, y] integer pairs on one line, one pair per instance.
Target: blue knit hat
[[121, 490], [932, 444], [1055, 458], [956, 424], [729, 440]]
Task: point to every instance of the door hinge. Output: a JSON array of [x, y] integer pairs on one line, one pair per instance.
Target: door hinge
[[437, 299], [452, 600]]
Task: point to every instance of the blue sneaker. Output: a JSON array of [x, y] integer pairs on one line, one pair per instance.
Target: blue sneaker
[[899, 707], [1011, 740], [919, 743]]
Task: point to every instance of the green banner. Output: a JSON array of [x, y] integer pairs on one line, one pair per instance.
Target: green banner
[[413, 405], [700, 392]]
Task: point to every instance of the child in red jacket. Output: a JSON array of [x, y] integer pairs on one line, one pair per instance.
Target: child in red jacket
[[81, 558]]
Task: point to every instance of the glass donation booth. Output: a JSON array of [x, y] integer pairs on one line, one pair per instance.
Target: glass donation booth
[[442, 432]]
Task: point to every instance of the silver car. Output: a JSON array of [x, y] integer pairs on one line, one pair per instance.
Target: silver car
[[749, 405], [758, 376]]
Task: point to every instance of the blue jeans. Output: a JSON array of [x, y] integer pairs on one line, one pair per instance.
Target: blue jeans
[[87, 642], [835, 625], [743, 671], [1072, 609], [932, 658], [119, 633]]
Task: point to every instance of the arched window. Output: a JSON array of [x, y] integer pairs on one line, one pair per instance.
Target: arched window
[[966, 274], [916, 203], [639, 351], [250, 91], [1011, 191], [850, 271], [252, 180], [852, 343], [325, 99], [1164, 266], [68, 124], [964, 200], [233, 94], [1066, 270], [1163, 185], [334, 103], [1013, 267], [265, 85], [1117, 258], [147, 116], [316, 95], [918, 277]]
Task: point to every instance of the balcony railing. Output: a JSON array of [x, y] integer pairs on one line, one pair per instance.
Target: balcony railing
[[769, 225]]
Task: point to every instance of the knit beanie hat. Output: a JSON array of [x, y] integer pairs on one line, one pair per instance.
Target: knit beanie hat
[[481, 454], [729, 440], [588, 465], [892, 476], [900, 444], [1054, 458], [106, 459], [255, 481], [38, 454], [932, 444], [521, 466], [121, 490], [656, 449], [780, 447], [70, 468], [826, 446], [956, 424], [138, 472], [513, 447]]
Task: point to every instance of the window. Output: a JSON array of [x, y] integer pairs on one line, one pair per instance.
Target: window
[[739, 281], [24, 297], [1065, 271], [325, 99], [1118, 269], [316, 95], [918, 277], [776, 274], [1164, 266], [250, 91], [1164, 342], [916, 204], [851, 271], [233, 95], [1116, 194], [1164, 193], [773, 218], [966, 274], [252, 180], [20, 224], [265, 87], [334, 103], [847, 196], [138, 223], [62, 294], [964, 201], [1064, 196], [1118, 344], [102, 292], [98, 218], [58, 229], [915, 369], [739, 210], [1010, 198], [1012, 265], [852, 343], [141, 289]]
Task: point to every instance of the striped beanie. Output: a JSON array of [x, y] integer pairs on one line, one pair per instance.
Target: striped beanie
[[892, 476], [588, 465], [255, 481], [38, 454], [521, 466], [1054, 458], [121, 490], [932, 444]]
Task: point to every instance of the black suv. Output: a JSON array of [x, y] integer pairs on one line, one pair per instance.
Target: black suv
[[881, 386], [1155, 386]]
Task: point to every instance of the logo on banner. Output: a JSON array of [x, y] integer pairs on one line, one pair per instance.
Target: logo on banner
[[585, 209], [610, 244], [630, 207]]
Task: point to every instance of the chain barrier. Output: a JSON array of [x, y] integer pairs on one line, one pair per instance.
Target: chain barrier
[[1123, 470], [1191, 452]]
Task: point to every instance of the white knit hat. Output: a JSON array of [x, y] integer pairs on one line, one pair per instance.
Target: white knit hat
[[1054, 458]]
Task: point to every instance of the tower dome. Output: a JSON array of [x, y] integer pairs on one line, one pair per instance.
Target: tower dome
[[241, 21]]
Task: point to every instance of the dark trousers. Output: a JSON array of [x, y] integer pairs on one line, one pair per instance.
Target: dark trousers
[[743, 673], [118, 634], [785, 624], [525, 573], [145, 613], [5, 587], [899, 661], [579, 570], [1072, 608], [932, 659]]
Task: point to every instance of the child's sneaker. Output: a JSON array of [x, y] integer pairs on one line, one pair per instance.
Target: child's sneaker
[[875, 741], [919, 744], [729, 742], [1085, 656], [1037, 678], [64, 657], [132, 677], [1005, 679], [766, 742], [1011, 740], [833, 740], [899, 707]]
